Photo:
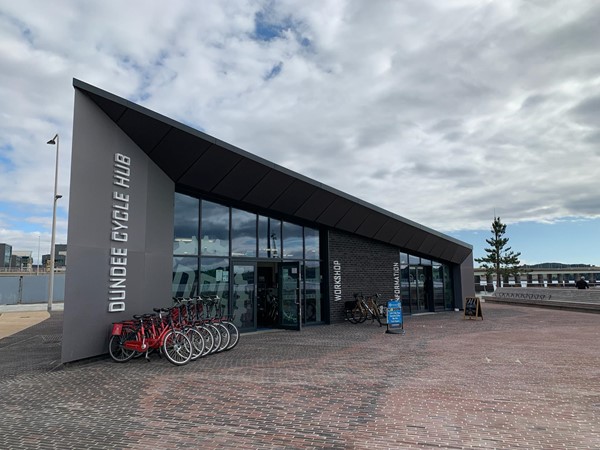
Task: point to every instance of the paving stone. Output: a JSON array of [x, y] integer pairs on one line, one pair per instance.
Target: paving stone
[[521, 378]]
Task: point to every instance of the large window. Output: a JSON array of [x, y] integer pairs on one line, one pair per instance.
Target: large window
[[269, 237], [243, 234], [214, 279], [244, 290], [222, 251], [185, 277], [311, 243], [438, 286], [403, 258], [448, 292], [185, 241], [214, 229], [292, 241], [312, 292], [405, 283]]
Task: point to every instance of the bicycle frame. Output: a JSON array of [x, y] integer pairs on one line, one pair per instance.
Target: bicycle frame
[[362, 308]]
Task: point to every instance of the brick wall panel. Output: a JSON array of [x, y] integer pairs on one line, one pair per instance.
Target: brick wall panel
[[366, 267]]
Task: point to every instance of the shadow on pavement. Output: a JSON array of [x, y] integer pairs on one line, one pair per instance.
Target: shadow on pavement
[[33, 350]]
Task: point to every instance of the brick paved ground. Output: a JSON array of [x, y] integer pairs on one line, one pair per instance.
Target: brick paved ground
[[521, 378]]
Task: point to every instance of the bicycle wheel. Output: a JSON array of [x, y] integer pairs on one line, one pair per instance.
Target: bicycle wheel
[[115, 346], [234, 334], [358, 314], [177, 347], [197, 342], [216, 337], [350, 316], [225, 337], [209, 340]]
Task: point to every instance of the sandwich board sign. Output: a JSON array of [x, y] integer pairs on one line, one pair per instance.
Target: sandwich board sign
[[395, 321], [473, 308]]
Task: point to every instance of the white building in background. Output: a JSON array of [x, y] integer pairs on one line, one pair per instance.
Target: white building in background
[[541, 275]]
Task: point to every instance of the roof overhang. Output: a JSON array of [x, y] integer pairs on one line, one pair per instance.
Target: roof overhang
[[202, 165]]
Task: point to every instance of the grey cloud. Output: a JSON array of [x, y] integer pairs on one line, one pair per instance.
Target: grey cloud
[[593, 138], [533, 101], [382, 173], [446, 124], [455, 136], [443, 170], [588, 111], [576, 37]]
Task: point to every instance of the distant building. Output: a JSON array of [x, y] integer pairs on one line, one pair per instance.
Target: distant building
[[541, 275], [22, 260], [15, 263], [5, 255], [60, 257]]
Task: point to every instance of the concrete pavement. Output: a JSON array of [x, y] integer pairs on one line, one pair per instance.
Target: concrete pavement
[[15, 318], [13, 322]]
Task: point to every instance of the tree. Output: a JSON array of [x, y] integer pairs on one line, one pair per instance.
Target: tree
[[500, 260]]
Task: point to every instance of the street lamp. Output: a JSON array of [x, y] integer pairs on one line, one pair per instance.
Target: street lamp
[[53, 141], [38, 258]]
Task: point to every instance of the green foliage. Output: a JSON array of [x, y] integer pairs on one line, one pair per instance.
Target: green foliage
[[500, 259]]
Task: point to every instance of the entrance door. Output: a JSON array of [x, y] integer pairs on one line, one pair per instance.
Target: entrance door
[[289, 296], [421, 289], [267, 295], [244, 295]]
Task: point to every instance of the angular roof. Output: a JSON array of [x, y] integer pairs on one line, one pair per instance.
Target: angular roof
[[204, 165]]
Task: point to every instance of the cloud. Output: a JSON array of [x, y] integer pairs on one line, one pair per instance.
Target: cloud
[[441, 112], [587, 111]]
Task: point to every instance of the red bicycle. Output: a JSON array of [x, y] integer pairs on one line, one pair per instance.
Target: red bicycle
[[150, 332]]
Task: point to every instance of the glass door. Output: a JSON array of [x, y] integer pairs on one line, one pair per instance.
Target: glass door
[[421, 295], [289, 296], [244, 295], [438, 287], [421, 289]]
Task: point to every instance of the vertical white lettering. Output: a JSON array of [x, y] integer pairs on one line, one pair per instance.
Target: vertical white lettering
[[117, 288]]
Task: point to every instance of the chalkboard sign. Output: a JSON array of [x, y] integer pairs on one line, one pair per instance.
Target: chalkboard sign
[[473, 308]]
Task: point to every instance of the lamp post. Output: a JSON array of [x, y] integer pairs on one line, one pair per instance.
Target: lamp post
[[38, 257], [53, 141]]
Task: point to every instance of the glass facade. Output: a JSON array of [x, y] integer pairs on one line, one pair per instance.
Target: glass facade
[[187, 214], [185, 276], [243, 233], [292, 247], [252, 261], [214, 279], [244, 294], [269, 237], [313, 307], [311, 243], [214, 229], [425, 285], [246, 259]]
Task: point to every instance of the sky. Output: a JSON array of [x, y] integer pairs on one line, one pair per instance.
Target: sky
[[445, 113]]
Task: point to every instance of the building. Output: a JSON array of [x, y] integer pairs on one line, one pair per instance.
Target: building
[[16, 263], [22, 260], [159, 210], [60, 257], [541, 275], [5, 256]]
